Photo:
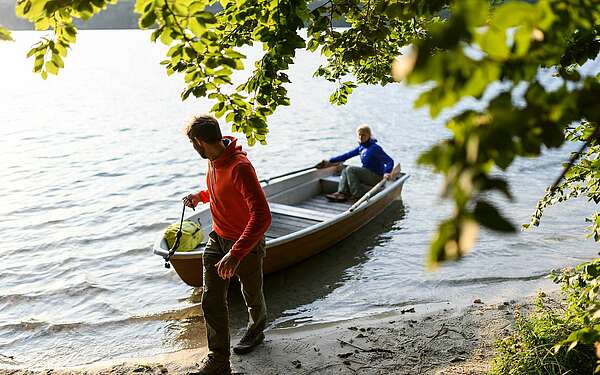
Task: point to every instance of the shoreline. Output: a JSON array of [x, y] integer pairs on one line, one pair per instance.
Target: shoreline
[[440, 338]]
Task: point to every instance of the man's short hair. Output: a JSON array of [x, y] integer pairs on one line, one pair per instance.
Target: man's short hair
[[364, 128], [205, 127]]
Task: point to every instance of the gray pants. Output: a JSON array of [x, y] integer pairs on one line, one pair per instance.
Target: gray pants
[[214, 298], [356, 181]]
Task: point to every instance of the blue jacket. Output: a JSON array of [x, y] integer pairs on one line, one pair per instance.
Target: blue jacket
[[372, 157]]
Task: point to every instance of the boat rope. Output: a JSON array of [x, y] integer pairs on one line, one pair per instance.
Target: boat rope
[[178, 235]]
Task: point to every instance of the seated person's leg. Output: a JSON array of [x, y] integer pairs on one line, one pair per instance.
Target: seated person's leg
[[361, 180], [343, 186], [343, 191]]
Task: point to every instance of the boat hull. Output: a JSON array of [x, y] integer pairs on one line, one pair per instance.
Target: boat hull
[[286, 254], [189, 270]]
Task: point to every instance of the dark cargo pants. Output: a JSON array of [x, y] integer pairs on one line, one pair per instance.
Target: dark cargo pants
[[214, 297]]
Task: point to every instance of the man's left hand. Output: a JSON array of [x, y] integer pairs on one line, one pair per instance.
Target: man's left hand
[[387, 176], [226, 266]]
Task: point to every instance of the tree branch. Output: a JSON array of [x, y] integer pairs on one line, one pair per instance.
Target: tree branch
[[574, 158]]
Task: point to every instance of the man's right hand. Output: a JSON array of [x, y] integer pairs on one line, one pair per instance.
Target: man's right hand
[[190, 200]]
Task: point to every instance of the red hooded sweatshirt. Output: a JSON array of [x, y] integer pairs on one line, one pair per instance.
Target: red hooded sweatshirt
[[238, 205]]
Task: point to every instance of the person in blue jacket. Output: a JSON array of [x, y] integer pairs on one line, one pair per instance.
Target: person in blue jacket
[[354, 181]]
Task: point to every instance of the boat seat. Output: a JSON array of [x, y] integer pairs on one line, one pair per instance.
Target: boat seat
[[305, 213], [333, 178], [329, 184]]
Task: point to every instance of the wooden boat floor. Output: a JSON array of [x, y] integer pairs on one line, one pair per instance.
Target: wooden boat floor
[[288, 219], [282, 225], [321, 203]]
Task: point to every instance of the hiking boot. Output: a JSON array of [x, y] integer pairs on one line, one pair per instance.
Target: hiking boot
[[210, 366], [353, 199], [248, 342], [337, 197]]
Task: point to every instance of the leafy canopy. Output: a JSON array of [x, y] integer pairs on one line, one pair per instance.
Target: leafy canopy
[[511, 43], [481, 44]]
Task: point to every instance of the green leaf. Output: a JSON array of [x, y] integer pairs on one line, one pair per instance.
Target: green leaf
[[493, 42], [166, 37], [51, 67], [489, 216], [197, 27], [511, 14], [38, 62], [5, 34], [206, 17], [58, 61], [148, 19], [234, 54]]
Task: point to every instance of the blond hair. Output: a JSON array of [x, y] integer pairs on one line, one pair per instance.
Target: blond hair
[[364, 128]]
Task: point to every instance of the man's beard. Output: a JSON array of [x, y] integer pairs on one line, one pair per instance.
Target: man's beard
[[200, 152]]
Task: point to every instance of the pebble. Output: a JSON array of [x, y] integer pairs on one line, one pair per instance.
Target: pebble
[[477, 301], [297, 363]]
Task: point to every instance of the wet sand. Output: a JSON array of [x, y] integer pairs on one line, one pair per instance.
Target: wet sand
[[435, 339]]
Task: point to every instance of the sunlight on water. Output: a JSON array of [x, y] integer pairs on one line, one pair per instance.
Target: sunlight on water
[[92, 167]]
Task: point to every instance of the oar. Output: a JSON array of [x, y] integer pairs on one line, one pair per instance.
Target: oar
[[374, 190], [267, 180]]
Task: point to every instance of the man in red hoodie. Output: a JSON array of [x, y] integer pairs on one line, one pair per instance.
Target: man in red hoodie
[[236, 246]]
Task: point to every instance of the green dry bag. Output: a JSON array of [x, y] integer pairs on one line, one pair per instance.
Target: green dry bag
[[191, 235]]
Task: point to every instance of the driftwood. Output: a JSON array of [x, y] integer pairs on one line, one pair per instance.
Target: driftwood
[[370, 350]]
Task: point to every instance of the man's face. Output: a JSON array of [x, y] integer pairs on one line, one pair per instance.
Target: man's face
[[363, 136], [199, 147]]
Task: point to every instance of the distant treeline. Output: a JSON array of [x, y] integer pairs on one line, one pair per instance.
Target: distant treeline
[[118, 16]]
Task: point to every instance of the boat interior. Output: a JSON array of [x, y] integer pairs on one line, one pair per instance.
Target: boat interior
[[304, 206], [296, 203]]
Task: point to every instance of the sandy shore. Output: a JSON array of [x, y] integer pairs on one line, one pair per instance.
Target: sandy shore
[[437, 339]]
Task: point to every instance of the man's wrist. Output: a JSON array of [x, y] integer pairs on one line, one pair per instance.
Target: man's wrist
[[235, 255]]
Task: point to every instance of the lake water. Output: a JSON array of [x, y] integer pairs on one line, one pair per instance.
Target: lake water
[[92, 168]]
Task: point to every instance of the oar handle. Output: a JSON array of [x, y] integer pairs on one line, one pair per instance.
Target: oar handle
[[267, 180], [374, 190]]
